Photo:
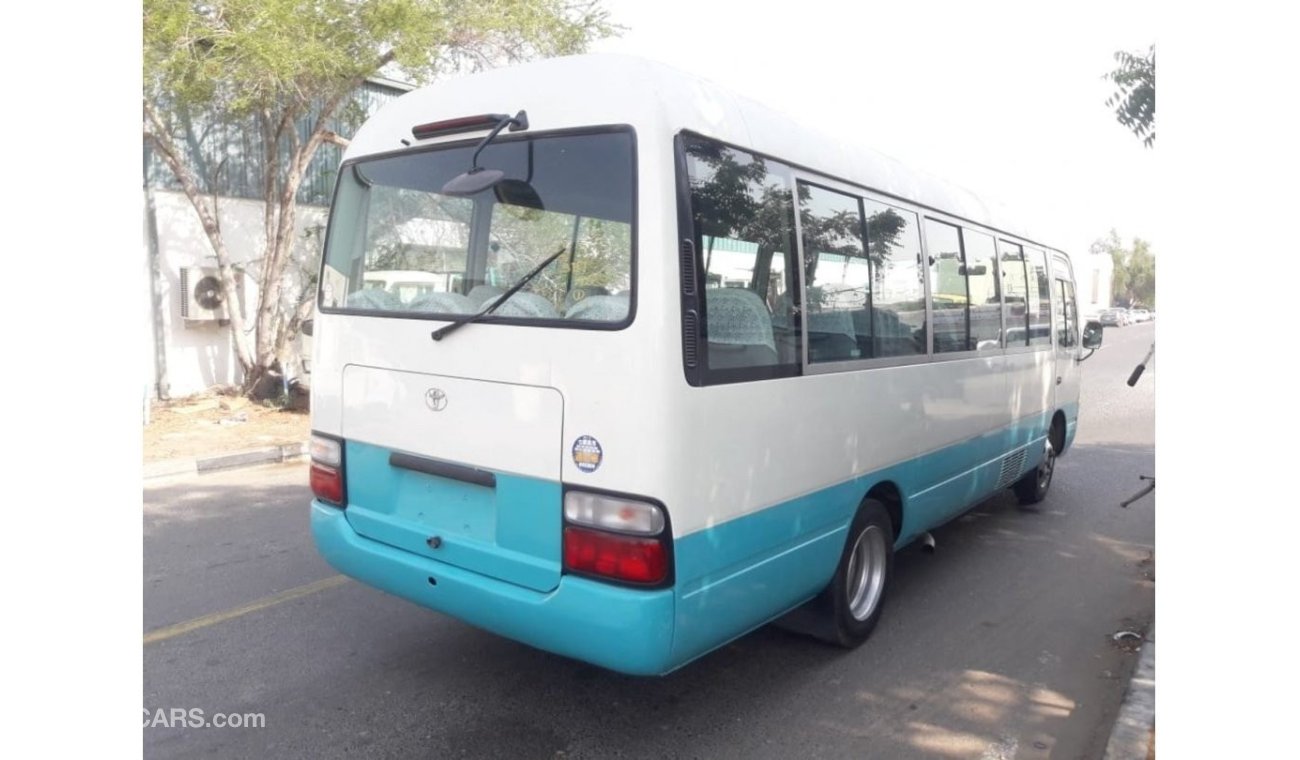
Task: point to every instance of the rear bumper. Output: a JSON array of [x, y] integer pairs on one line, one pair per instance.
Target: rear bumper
[[622, 629]]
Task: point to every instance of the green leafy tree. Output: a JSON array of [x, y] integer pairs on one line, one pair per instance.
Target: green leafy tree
[[287, 64], [1133, 281], [1134, 99]]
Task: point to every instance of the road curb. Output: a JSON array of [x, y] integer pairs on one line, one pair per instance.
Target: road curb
[[285, 453], [1134, 729]]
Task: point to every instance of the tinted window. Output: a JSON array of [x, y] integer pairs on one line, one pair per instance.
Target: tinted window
[[838, 295], [1039, 304], [1015, 291], [1067, 319], [949, 298], [401, 247], [985, 301], [743, 227], [897, 307]]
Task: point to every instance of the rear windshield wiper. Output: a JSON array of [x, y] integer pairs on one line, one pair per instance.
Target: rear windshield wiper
[[443, 331]]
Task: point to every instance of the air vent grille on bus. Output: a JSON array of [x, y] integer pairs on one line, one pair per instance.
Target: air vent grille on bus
[[1011, 466], [690, 328], [688, 267]]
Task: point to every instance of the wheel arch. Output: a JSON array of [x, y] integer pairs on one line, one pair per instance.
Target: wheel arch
[[888, 493], [1056, 432]]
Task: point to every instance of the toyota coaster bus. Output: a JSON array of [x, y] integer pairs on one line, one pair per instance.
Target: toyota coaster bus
[[692, 366]]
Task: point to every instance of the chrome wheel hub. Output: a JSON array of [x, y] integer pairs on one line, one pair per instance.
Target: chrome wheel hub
[[1047, 466], [866, 573]]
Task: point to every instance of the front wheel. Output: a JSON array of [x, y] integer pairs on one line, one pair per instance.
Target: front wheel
[[1032, 488], [855, 598]]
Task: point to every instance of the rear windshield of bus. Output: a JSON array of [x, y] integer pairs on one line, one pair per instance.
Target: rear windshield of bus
[[398, 247]]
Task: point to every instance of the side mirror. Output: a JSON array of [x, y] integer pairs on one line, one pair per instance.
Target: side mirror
[[1092, 335], [307, 326]]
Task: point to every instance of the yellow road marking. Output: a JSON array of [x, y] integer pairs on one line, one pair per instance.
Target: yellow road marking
[[171, 631]]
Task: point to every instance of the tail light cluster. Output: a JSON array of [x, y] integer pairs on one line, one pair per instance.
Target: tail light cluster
[[327, 469], [617, 538]]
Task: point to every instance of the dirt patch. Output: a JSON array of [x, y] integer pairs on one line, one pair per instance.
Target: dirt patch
[[214, 423]]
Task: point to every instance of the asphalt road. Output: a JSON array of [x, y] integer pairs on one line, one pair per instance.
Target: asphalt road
[[998, 645]]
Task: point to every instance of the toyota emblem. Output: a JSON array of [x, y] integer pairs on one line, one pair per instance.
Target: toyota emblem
[[435, 399]]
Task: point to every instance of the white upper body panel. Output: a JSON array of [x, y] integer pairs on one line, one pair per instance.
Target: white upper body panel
[[710, 454], [586, 90]]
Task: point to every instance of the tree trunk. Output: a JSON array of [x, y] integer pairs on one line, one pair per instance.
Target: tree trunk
[[156, 133]]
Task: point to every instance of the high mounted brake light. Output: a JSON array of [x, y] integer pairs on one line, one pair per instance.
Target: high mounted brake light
[[466, 124]]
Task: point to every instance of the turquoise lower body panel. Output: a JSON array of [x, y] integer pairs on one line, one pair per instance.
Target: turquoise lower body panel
[[736, 576], [618, 628], [730, 578], [510, 531]]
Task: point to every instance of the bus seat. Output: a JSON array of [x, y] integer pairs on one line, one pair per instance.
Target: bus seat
[[443, 303], [525, 304], [581, 292], [374, 298], [740, 329], [482, 295], [597, 307], [832, 336]]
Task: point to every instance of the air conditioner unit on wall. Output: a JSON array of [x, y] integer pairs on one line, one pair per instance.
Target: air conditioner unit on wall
[[204, 299]]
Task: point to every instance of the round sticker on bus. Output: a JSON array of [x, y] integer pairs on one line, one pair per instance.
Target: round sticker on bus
[[587, 453]]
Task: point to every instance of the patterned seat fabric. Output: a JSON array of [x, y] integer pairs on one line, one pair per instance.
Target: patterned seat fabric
[[738, 317], [482, 295], [374, 298], [443, 303], [525, 304], [599, 308]]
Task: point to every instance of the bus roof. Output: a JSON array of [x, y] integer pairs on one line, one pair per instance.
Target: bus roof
[[606, 88]]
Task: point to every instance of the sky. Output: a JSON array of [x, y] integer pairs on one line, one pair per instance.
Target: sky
[[1004, 99]]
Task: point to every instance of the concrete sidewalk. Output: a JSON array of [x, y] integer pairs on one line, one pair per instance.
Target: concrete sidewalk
[[1133, 737], [248, 458]]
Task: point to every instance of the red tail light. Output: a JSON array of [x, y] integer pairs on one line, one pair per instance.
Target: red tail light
[[327, 469], [327, 483], [611, 555]]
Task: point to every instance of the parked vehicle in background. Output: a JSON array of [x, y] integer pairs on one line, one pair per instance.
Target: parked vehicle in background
[[1115, 318], [1140, 315]]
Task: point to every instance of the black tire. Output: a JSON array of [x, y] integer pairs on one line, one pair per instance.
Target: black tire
[[845, 628], [1032, 488]]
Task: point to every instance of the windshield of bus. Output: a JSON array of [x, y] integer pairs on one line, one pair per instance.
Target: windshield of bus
[[398, 247]]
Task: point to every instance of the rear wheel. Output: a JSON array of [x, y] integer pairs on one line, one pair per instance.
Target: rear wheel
[[855, 598]]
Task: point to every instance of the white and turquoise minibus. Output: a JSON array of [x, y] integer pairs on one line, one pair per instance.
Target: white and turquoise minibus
[[692, 366]]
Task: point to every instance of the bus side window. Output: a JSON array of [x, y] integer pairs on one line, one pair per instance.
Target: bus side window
[[949, 294], [837, 299], [1039, 304], [985, 297], [1015, 295], [897, 281], [743, 220]]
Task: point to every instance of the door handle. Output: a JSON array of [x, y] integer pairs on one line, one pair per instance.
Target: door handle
[[1058, 379]]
